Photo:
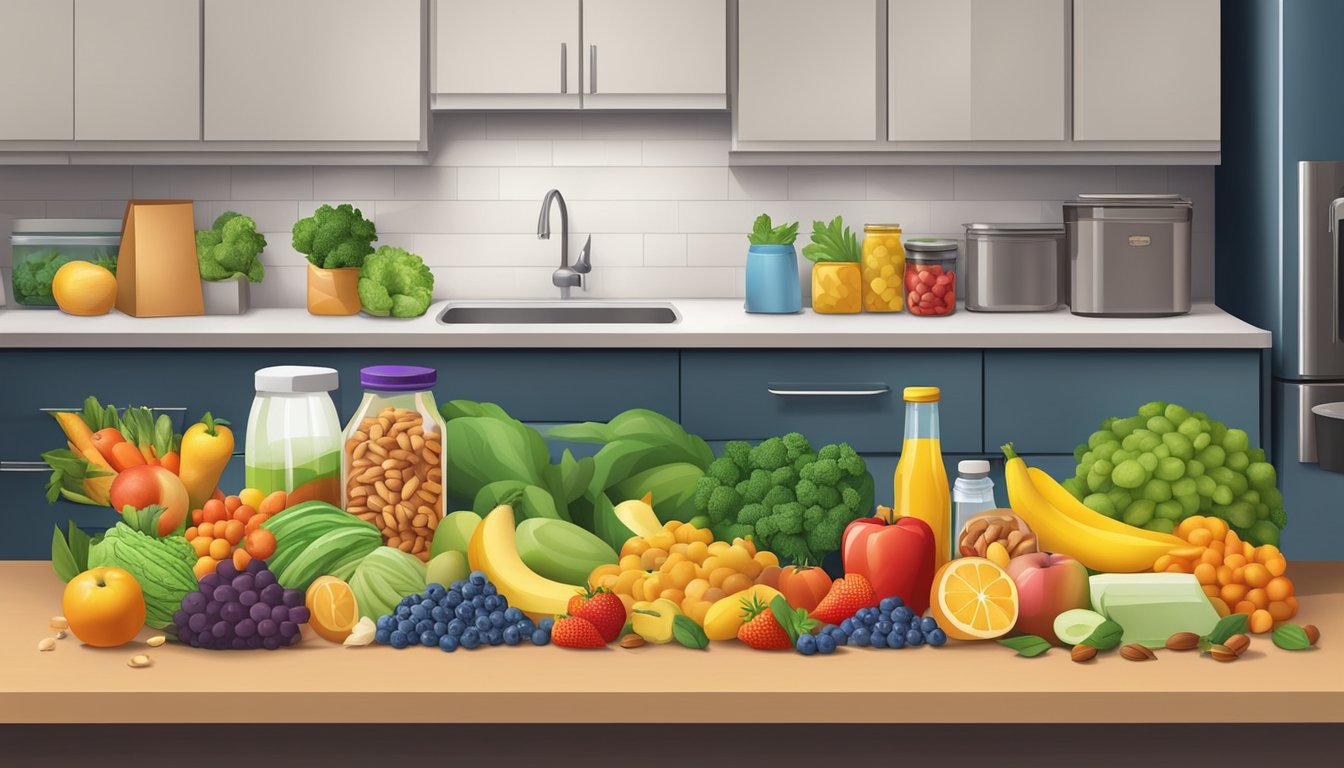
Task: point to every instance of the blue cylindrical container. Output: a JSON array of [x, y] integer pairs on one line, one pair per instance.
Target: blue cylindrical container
[[772, 280]]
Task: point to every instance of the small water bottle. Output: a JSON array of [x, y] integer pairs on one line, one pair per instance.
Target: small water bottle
[[972, 493]]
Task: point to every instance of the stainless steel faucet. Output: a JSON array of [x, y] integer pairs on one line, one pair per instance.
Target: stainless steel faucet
[[566, 276]]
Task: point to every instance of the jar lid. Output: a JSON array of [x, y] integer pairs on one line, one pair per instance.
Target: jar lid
[[66, 226], [297, 379], [397, 378], [973, 468], [882, 228], [930, 244], [921, 394]]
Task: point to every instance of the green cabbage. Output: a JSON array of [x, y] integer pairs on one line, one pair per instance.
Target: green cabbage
[[395, 282], [384, 577], [162, 566]]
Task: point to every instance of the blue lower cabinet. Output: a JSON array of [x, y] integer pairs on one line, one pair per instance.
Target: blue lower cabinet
[[1311, 496], [29, 519]]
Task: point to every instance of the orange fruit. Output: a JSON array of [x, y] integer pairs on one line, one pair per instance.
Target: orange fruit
[[104, 606], [973, 599], [332, 610]]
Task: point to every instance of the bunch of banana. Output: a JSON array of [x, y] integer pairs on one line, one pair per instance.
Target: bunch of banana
[[493, 550], [1065, 525]]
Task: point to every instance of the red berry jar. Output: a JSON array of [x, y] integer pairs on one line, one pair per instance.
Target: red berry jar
[[930, 276]]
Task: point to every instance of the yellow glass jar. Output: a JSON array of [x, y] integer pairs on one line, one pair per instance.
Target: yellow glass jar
[[883, 268], [837, 288]]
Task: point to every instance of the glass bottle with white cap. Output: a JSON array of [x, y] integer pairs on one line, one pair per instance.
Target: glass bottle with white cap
[[973, 492], [294, 434]]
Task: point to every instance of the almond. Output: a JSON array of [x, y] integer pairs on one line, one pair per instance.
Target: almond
[[1222, 653], [1183, 641], [632, 641], [46, 644], [156, 641], [1137, 652], [1237, 643], [59, 622], [139, 660], [1081, 653]]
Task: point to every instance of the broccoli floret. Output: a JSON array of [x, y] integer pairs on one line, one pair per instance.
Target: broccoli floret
[[333, 238], [813, 515], [1278, 517], [791, 548], [796, 445], [825, 535], [803, 461], [732, 531], [822, 472], [724, 503], [785, 476], [828, 496], [851, 497], [754, 488], [230, 247], [395, 282], [750, 513], [850, 462], [831, 452], [779, 494], [806, 492], [704, 487], [739, 452], [770, 454], [32, 278], [725, 471]]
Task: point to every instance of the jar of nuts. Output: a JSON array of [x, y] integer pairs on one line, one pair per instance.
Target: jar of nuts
[[393, 459]]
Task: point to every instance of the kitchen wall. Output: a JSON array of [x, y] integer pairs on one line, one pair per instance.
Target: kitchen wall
[[667, 214]]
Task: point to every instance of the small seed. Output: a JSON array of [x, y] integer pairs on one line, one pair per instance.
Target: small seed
[[59, 622], [46, 644], [1137, 652], [139, 660], [1222, 653], [1313, 634], [1183, 641], [1081, 653], [61, 634], [632, 641], [1237, 643], [156, 641]]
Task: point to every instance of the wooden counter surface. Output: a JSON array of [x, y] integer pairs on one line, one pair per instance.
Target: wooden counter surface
[[960, 683]]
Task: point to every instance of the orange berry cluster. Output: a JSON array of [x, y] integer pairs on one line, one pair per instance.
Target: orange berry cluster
[[227, 528]]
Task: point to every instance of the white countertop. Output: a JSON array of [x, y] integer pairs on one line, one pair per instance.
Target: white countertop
[[703, 323]]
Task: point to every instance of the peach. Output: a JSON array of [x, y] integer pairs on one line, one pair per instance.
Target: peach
[[1047, 585], [147, 484]]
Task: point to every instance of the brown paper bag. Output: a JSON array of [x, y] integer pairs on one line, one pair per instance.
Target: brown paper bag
[[333, 291], [157, 272]]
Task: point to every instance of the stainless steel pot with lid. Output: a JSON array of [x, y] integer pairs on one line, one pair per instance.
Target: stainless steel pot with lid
[[1014, 267], [1128, 254]]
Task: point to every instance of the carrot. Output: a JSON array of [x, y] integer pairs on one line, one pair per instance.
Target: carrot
[[126, 456], [171, 461], [103, 440], [206, 449], [147, 454], [276, 502]]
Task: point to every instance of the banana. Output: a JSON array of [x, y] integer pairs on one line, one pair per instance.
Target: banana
[[1096, 548], [492, 549], [1059, 497], [638, 516]]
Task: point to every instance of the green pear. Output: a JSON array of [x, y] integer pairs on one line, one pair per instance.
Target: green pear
[[454, 533], [447, 568]]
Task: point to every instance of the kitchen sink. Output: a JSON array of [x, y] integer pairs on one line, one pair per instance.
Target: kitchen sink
[[550, 313]]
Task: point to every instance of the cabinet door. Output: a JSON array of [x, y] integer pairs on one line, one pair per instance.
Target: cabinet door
[[521, 54], [1146, 70], [313, 70], [806, 71], [36, 69], [962, 70], [655, 53], [137, 70]]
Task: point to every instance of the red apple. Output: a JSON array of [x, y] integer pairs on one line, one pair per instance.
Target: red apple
[[1047, 585], [146, 484]]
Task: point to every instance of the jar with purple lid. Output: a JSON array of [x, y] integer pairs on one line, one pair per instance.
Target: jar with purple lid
[[393, 460]]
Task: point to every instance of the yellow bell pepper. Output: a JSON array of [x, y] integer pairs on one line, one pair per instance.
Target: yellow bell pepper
[[653, 620]]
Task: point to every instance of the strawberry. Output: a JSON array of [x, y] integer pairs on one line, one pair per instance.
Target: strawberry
[[574, 632], [603, 609], [845, 598], [772, 628]]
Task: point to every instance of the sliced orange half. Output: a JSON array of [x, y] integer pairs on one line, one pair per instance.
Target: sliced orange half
[[332, 611], [973, 599]]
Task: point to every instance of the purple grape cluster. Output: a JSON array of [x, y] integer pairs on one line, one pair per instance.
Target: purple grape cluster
[[239, 611]]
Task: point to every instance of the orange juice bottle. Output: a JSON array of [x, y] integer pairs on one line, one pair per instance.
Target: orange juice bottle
[[921, 479]]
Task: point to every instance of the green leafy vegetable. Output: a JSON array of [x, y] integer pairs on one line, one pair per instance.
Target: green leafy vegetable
[[794, 621], [384, 577], [335, 238], [33, 275], [832, 242], [1229, 625], [230, 247], [395, 282], [1291, 637], [145, 520], [688, 633], [1106, 636], [163, 567], [1028, 645], [68, 473], [763, 232], [69, 551]]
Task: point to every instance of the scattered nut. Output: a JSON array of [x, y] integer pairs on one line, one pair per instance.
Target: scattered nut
[[1237, 644], [139, 660], [1001, 526], [61, 634], [1313, 634], [156, 641], [59, 622], [1222, 653], [1137, 652], [1183, 641], [631, 641], [1081, 653], [46, 644]]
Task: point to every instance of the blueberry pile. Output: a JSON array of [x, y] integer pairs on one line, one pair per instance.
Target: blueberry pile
[[890, 625], [238, 611], [469, 614]]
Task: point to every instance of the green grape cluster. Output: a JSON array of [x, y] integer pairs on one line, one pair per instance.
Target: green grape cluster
[[1154, 469]]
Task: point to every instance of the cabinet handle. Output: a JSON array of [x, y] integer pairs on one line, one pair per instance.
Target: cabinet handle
[[24, 466], [827, 390], [564, 68], [156, 409], [592, 69]]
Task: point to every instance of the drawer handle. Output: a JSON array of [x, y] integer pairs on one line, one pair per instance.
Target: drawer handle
[[827, 390], [80, 409], [24, 466]]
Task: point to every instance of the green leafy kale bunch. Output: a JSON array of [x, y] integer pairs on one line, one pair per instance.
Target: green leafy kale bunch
[[395, 282], [231, 247], [791, 501], [33, 276], [832, 242], [333, 238], [763, 232]]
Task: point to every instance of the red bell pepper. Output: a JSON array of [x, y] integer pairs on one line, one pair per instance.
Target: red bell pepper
[[897, 558]]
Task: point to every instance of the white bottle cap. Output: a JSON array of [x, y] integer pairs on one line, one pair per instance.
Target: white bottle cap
[[297, 379], [973, 468]]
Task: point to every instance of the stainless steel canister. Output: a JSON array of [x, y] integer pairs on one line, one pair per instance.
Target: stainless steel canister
[[1014, 267], [1129, 255]]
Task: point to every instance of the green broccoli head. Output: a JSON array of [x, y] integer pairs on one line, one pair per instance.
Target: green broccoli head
[[779, 494], [770, 454], [803, 461], [231, 247], [32, 278], [395, 282], [738, 452], [792, 548], [755, 487], [786, 476], [724, 503], [807, 492], [725, 471], [831, 452], [796, 444], [822, 472], [850, 462], [1278, 517], [751, 513], [704, 488], [333, 238]]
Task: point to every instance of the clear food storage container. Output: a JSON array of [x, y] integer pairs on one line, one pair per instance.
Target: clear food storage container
[[41, 246], [294, 435], [931, 276], [883, 268], [393, 461]]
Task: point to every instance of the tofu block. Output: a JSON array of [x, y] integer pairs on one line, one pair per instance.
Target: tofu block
[[1152, 606]]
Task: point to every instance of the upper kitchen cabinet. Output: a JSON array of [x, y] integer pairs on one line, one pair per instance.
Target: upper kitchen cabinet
[[1146, 70], [505, 54], [137, 70], [315, 71], [36, 70], [655, 54], [807, 71], [959, 70]]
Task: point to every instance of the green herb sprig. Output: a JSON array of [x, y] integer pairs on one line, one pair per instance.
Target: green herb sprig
[[763, 232], [833, 242]]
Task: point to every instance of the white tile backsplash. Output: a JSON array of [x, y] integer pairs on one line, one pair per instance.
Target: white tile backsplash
[[667, 215]]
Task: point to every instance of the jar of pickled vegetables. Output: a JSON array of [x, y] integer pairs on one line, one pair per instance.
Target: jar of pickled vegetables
[[837, 288], [931, 276], [883, 268]]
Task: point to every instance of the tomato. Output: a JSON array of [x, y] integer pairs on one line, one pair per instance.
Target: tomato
[[804, 586]]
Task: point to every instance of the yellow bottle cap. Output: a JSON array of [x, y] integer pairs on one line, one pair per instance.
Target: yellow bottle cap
[[921, 394]]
